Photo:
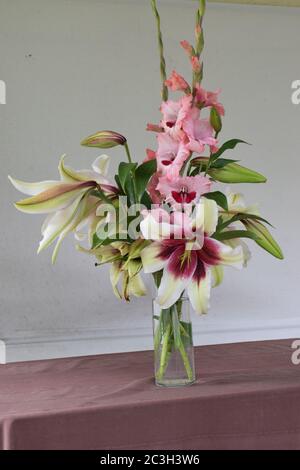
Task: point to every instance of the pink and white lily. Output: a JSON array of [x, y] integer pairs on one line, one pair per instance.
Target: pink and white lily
[[186, 262]]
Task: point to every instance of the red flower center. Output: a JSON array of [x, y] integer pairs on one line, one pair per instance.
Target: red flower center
[[170, 124], [183, 196]]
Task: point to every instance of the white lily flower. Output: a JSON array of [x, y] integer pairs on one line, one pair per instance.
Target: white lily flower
[[70, 203]]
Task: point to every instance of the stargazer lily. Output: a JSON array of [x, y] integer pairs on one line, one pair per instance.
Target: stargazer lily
[[68, 202], [187, 262]]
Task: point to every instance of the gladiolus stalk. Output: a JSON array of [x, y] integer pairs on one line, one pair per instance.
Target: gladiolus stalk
[[197, 76], [164, 91]]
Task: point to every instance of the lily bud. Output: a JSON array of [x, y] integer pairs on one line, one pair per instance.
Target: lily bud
[[104, 140], [234, 173], [265, 239], [215, 120]]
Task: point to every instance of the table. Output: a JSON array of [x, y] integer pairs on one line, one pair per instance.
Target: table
[[247, 396]]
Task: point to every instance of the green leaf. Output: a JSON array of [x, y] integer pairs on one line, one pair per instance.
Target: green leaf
[[200, 161], [117, 180], [264, 238], [125, 171], [242, 217], [142, 176], [234, 173], [96, 241], [230, 234], [219, 197], [221, 162], [229, 145], [129, 190], [146, 200]]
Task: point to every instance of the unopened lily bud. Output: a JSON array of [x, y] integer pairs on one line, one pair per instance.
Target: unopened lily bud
[[234, 173], [104, 140], [215, 120]]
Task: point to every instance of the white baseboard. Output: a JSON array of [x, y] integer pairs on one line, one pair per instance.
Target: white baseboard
[[29, 346]]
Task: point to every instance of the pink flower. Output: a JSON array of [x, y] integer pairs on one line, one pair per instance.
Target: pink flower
[[199, 132], [171, 155], [153, 127], [174, 113], [155, 195], [177, 83], [209, 98], [187, 47], [182, 191], [151, 155], [196, 66], [184, 248]]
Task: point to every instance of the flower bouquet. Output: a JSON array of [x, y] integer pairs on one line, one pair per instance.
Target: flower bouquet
[[166, 216]]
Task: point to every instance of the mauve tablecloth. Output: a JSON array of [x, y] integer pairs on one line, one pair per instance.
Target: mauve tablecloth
[[247, 396]]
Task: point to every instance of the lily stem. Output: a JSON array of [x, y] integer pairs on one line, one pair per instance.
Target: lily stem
[[164, 353], [132, 171], [128, 152], [186, 361]]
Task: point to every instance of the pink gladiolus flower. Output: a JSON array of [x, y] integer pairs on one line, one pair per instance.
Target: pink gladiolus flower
[[174, 113], [209, 98], [183, 191], [154, 128], [171, 155], [177, 83], [199, 132], [187, 47], [155, 195], [151, 155], [186, 261]]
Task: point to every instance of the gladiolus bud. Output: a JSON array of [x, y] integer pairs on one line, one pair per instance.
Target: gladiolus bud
[[215, 120], [104, 140]]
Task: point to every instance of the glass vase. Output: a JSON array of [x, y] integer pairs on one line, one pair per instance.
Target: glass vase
[[173, 345]]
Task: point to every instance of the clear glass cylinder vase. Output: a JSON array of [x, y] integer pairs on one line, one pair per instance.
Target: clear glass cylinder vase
[[173, 345]]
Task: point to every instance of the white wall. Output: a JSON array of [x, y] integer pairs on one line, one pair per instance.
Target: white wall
[[74, 67]]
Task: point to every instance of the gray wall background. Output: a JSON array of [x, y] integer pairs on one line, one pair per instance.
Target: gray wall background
[[75, 67]]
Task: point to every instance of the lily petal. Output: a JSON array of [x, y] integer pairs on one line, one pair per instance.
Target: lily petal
[[115, 273], [56, 224], [230, 256], [199, 293], [170, 289], [56, 198], [136, 286], [71, 226], [32, 189], [101, 164], [150, 258], [217, 274], [176, 277], [206, 216], [69, 175]]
